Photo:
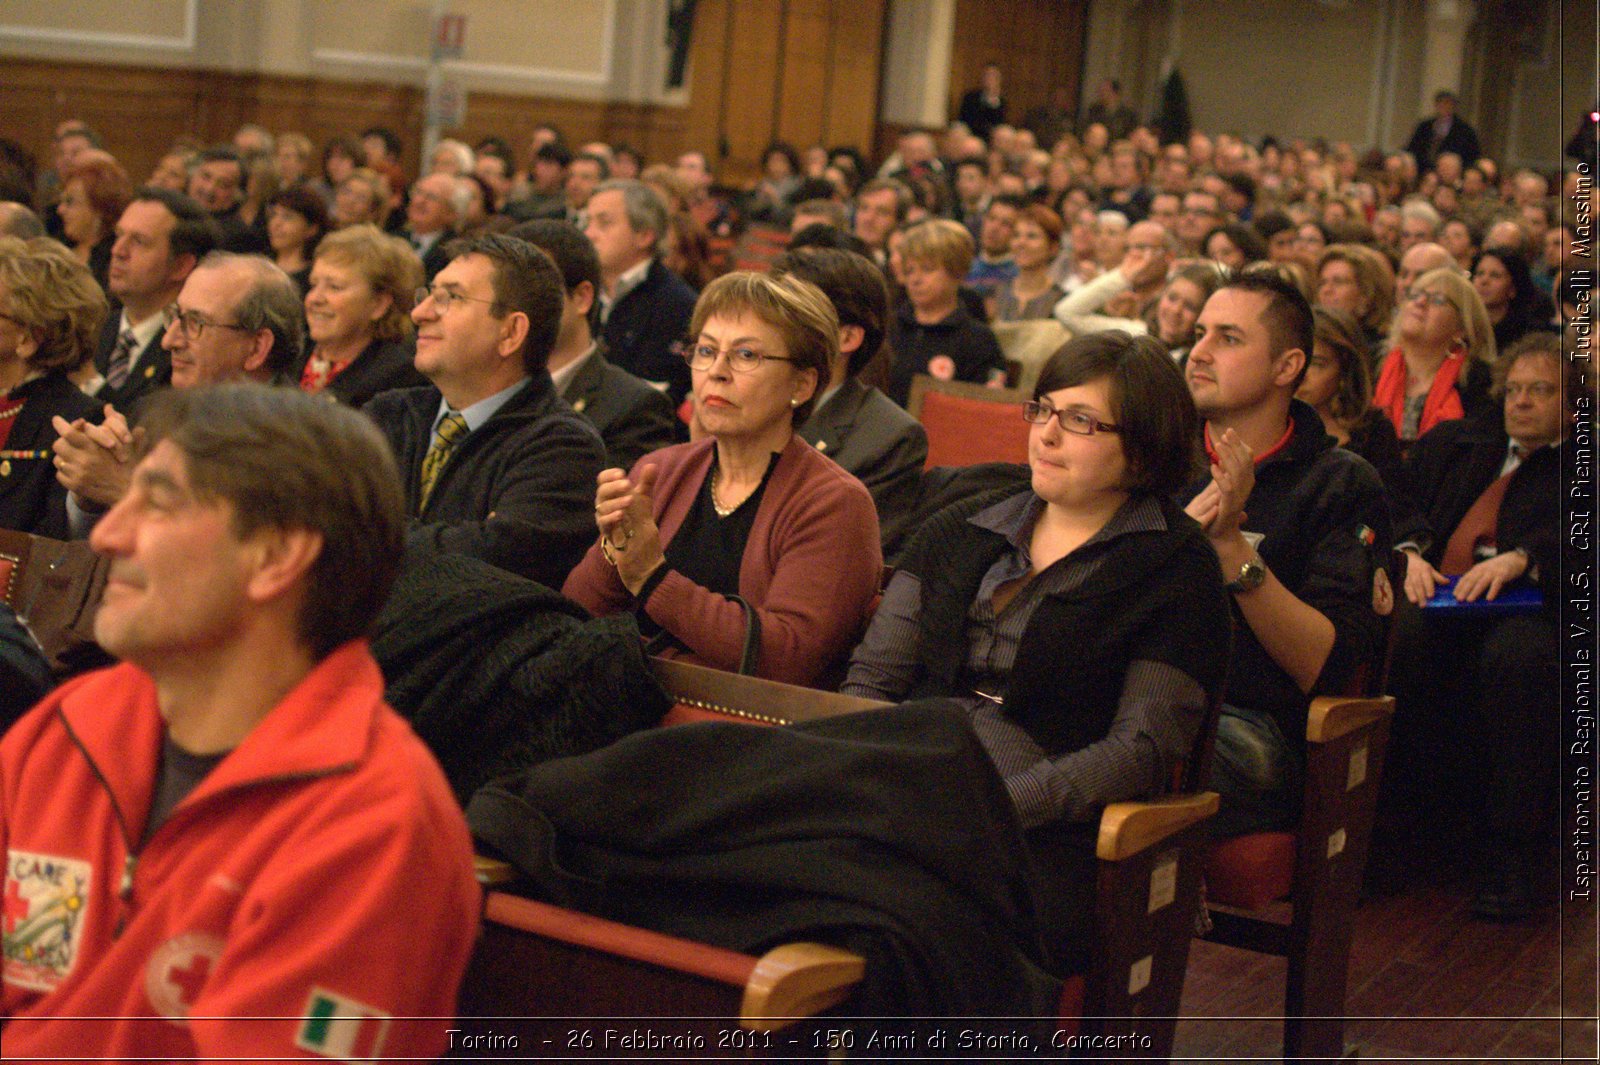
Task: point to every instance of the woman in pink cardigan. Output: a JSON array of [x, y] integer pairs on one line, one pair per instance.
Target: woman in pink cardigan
[[752, 511]]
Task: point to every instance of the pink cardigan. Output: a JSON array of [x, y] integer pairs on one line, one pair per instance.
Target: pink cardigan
[[811, 567]]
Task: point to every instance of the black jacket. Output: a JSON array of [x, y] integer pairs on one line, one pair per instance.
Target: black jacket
[[31, 499], [497, 674], [1449, 467], [886, 832], [633, 418], [517, 493], [1325, 525], [644, 327], [966, 341], [885, 448], [151, 372], [1461, 139], [381, 366], [1156, 596]]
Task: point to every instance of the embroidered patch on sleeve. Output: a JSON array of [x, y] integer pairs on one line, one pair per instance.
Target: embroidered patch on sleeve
[[46, 899], [342, 1028]]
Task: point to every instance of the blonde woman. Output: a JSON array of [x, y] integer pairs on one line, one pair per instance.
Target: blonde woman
[[1441, 354]]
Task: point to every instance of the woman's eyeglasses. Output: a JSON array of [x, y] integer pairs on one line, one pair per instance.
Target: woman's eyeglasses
[[1072, 420], [740, 360]]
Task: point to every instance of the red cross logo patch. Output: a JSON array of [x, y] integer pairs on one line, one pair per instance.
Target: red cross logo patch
[[178, 970], [45, 902]]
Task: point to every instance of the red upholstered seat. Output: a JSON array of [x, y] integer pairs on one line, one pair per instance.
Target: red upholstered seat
[[968, 424], [1248, 872]]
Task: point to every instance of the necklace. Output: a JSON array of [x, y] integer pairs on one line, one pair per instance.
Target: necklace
[[716, 505]]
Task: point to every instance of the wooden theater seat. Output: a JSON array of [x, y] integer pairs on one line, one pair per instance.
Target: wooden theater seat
[[967, 423], [538, 966], [1317, 868]]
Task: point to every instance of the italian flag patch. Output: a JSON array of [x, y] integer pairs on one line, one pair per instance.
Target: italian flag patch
[[342, 1028]]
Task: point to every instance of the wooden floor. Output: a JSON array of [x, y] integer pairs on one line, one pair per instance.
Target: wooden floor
[[1427, 982]]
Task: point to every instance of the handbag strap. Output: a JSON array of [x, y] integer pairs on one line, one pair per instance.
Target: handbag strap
[[750, 657]]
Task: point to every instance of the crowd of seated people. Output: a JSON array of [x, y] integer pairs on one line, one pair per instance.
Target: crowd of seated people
[[1280, 353]]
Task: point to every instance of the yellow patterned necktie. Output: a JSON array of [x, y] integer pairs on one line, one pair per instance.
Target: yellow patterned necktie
[[452, 427]]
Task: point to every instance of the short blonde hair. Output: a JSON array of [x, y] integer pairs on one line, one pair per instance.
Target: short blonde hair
[[797, 309], [940, 241], [388, 264], [55, 298], [1475, 326]]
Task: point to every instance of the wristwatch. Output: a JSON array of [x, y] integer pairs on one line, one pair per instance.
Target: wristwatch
[[1250, 577]]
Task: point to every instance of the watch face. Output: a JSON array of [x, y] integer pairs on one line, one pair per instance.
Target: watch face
[[1251, 575]]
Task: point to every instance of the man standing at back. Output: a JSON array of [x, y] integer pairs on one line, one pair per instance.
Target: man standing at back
[[161, 237], [494, 463], [1296, 521], [229, 846], [644, 307]]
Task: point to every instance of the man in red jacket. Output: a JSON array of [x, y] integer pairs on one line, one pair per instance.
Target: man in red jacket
[[228, 845]]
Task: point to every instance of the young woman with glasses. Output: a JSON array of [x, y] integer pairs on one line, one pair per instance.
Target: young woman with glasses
[[1080, 620]]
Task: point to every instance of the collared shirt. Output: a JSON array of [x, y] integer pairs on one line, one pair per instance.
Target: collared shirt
[[424, 242], [1043, 788], [563, 377], [1515, 455], [143, 333], [822, 400], [627, 281], [482, 410]]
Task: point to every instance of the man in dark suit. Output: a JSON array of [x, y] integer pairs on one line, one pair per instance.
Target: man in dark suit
[[1445, 132], [632, 418], [494, 464], [644, 306], [1480, 687], [161, 236], [984, 108], [854, 424], [437, 202]]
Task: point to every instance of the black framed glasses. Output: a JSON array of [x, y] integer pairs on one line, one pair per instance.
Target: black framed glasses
[[193, 324], [740, 360], [1073, 420]]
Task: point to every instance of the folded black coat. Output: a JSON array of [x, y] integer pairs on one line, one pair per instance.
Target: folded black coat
[[886, 832], [497, 673]]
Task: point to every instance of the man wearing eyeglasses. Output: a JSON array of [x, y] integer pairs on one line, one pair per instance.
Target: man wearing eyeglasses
[[1487, 487], [161, 237], [494, 462], [238, 318], [1297, 523]]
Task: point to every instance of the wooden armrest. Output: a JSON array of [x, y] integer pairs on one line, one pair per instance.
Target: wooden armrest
[[1333, 716], [752, 698], [492, 871], [798, 980], [1126, 828]]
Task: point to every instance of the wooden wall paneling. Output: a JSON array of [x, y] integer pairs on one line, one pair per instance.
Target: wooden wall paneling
[[708, 77], [1038, 43], [755, 64], [802, 102], [855, 63]]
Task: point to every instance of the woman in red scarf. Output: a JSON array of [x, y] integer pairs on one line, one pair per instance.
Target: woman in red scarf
[[1440, 353]]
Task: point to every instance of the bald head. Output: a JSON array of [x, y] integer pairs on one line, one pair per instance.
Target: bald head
[[16, 220], [1417, 261]]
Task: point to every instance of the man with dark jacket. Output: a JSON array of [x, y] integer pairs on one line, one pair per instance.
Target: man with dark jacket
[[1296, 522], [494, 463], [1488, 488], [161, 236], [644, 306], [853, 423], [632, 418], [1445, 132]]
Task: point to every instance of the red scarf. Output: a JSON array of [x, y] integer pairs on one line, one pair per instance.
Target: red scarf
[[1442, 404]]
